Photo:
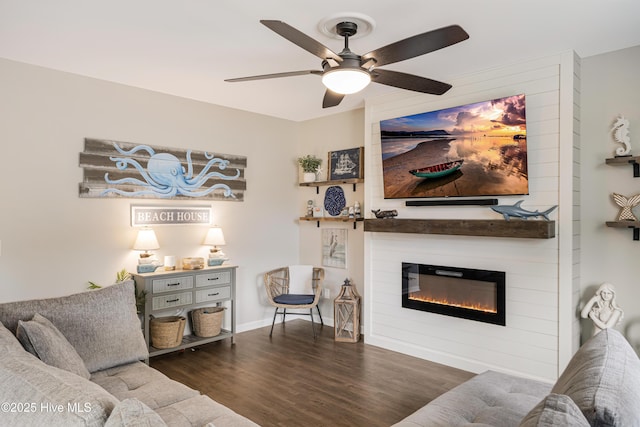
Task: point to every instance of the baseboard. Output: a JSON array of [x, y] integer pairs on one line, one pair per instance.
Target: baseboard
[[444, 358], [249, 326]]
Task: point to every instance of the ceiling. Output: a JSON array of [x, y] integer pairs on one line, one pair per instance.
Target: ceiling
[[188, 47]]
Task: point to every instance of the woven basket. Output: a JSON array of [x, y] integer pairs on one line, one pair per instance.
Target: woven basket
[[166, 332], [207, 321]]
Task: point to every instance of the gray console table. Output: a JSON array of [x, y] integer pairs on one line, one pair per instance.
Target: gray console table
[[185, 290]]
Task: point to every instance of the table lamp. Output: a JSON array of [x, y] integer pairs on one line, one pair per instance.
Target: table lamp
[[146, 241], [214, 238]]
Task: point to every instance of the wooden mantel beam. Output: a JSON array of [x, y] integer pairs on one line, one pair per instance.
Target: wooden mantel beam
[[531, 229]]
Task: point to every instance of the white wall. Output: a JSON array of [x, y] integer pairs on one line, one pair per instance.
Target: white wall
[[53, 242], [319, 136], [610, 87], [541, 275]]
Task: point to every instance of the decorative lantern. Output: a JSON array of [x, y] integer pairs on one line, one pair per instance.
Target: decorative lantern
[[346, 314]]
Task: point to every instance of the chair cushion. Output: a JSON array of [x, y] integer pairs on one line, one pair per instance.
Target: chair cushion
[[602, 379], [294, 299], [555, 410], [42, 339]]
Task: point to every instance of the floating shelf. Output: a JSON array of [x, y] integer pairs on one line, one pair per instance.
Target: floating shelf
[[319, 184], [465, 227], [626, 160], [625, 224], [336, 219]]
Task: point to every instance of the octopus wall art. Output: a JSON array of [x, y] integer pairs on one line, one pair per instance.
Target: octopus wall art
[[113, 169]]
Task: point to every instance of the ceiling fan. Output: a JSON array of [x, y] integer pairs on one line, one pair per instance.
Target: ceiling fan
[[347, 72]]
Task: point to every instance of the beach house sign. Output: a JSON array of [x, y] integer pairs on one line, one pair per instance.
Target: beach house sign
[[170, 215]]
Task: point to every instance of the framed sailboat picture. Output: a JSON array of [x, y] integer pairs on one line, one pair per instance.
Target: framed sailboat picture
[[346, 164]]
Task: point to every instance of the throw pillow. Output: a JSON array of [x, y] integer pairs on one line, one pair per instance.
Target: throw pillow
[[300, 279], [555, 410], [133, 413], [8, 342], [602, 379], [41, 338]]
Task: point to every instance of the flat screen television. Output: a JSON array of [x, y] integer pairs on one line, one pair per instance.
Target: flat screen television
[[471, 150]]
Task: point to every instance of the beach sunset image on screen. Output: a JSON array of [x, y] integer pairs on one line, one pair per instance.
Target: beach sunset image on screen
[[477, 149]]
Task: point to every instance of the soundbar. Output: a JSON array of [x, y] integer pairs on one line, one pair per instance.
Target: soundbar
[[456, 202]]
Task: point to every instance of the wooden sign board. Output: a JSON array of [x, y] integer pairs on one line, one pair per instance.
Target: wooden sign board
[[170, 215]]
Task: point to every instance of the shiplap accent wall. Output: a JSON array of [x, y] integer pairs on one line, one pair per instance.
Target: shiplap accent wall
[[569, 323], [541, 275]]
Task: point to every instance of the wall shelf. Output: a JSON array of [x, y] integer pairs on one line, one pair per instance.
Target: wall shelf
[[626, 160], [319, 184], [318, 220], [627, 224], [465, 227]]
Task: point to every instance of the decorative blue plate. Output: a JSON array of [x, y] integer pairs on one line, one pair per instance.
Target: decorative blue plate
[[334, 200]]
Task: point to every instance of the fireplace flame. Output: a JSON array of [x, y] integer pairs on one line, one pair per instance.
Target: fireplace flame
[[463, 304]]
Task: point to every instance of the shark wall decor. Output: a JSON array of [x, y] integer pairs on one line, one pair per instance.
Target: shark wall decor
[[516, 211]]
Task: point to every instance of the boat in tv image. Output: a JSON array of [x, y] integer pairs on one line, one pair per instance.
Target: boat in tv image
[[437, 171], [471, 150]]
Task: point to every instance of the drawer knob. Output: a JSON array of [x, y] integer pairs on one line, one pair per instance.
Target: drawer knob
[[213, 278], [173, 300], [213, 295], [173, 284]]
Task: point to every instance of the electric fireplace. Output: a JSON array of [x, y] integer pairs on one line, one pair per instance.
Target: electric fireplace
[[453, 291]]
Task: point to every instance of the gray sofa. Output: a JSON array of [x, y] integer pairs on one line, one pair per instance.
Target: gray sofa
[[599, 387], [88, 369]]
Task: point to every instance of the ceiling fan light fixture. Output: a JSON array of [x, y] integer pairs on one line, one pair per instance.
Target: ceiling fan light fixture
[[346, 81]]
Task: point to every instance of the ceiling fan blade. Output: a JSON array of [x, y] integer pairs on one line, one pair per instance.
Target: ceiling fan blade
[[275, 75], [409, 82], [417, 45], [301, 39], [331, 99]]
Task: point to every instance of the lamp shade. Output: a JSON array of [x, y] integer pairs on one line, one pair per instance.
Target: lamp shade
[[346, 80], [146, 240], [214, 237]]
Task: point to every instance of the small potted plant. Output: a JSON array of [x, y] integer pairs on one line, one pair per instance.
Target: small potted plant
[[310, 165]]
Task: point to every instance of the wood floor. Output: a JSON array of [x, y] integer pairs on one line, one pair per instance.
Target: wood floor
[[291, 380]]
